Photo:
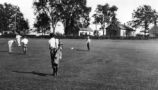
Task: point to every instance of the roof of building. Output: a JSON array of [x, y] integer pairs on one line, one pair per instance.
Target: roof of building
[[154, 30], [124, 27]]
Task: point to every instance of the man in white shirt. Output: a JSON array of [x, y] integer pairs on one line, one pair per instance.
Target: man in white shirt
[[18, 39], [53, 43], [53, 47], [10, 44], [24, 42]]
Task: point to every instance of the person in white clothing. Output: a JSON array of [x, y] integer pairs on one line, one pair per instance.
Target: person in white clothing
[[24, 42], [18, 39], [54, 47], [53, 43], [10, 45]]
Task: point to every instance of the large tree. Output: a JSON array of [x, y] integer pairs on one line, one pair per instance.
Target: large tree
[[42, 23], [103, 15], [67, 11], [143, 16], [52, 8], [12, 19], [75, 10]]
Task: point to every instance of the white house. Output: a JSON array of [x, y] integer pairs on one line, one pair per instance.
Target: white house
[[126, 31], [86, 31], [59, 28]]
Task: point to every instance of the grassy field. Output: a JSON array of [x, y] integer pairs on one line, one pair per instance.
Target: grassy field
[[110, 65]]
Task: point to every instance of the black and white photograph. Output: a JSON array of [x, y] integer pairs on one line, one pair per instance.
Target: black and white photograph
[[78, 44]]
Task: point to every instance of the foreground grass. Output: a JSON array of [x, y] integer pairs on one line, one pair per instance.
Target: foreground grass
[[110, 65]]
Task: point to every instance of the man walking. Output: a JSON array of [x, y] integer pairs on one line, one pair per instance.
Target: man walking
[[53, 47], [10, 45], [24, 42]]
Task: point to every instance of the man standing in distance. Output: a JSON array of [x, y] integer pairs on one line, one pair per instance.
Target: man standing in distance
[[88, 43]]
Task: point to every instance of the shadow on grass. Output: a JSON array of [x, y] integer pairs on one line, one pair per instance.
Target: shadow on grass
[[81, 50], [16, 53], [33, 72], [3, 51]]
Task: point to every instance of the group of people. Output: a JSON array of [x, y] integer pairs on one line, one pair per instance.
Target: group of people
[[55, 48], [20, 41]]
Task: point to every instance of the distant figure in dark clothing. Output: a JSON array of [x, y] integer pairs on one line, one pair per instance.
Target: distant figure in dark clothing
[[88, 43]]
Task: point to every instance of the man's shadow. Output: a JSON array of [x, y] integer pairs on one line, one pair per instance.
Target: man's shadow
[[33, 72], [4, 51], [16, 53]]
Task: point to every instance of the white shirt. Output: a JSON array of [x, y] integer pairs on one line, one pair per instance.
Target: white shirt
[[88, 40], [53, 43], [10, 42], [18, 36], [25, 41]]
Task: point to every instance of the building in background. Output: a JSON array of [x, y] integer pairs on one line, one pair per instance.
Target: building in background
[[126, 31], [59, 28], [86, 31], [119, 31], [153, 32]]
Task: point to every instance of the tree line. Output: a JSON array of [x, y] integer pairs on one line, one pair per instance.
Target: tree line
[[142, 17], [69, 12], [74, 14], [12, 19]]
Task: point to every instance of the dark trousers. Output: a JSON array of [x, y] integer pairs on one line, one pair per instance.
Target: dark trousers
[[54, 65], [24, 48], [88, 46]]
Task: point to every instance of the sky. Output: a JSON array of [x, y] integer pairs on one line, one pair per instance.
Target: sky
[[124, 13]]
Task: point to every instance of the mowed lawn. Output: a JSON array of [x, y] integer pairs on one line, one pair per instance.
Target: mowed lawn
[[110, 65]]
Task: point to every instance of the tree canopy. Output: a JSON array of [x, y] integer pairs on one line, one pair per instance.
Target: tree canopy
[[12, 19], [42, 23], [104, 14], [67, 11], [143, 16]]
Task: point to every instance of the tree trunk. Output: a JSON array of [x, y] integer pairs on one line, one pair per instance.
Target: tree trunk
[[103, 32], [96, 26], [42, 32], [146, 27], [67, 27]]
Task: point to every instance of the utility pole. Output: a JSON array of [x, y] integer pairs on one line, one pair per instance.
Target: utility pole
[[16, 19]]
